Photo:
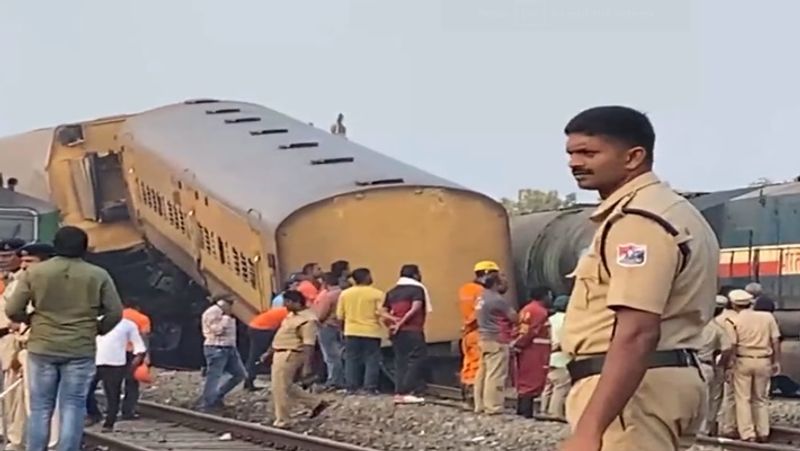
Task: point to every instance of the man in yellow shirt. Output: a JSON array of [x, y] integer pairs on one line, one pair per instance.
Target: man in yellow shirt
[[360, 307]]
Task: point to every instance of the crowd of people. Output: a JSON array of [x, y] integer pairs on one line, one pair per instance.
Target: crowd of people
[[637, 345], [740, 354], [341, 312], [63, 330]]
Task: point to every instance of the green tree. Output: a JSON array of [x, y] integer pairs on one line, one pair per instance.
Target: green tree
[[531, 200]]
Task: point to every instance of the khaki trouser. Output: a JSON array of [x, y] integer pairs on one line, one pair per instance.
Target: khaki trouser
[[727, 415], [14, 405], [490, 382], [750, 385], [285, 365], [709, 413], [716, 387], [664, 414], [555, 392]]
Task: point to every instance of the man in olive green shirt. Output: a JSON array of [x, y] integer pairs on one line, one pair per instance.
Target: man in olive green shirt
[[72, 301]]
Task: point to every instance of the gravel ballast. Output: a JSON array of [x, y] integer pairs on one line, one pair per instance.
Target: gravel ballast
[[376, 422]]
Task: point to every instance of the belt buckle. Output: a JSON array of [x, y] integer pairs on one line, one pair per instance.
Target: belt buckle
[[690, 358]]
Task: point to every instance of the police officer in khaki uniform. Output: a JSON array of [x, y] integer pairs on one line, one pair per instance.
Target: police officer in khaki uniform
[[715, 355], [292, 349], [757, 346], [643, 293], [9, 269], [17, 404], [723, 397]]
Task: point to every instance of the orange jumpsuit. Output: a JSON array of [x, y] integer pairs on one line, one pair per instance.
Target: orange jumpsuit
[[470, 352]]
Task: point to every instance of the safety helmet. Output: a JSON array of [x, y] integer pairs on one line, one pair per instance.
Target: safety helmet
[[486, 265]]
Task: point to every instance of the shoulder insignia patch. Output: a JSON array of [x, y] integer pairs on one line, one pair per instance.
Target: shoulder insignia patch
[[631, 255]]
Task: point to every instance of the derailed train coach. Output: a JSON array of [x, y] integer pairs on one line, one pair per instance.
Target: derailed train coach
[[207, 196], [759, 233]]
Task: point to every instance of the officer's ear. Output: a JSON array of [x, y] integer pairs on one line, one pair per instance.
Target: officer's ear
[[635, 157]]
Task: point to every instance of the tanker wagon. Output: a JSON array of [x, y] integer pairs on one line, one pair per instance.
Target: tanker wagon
[[758, 229]]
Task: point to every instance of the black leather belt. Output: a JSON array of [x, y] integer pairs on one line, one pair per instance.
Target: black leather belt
[[286, 350], [753, 356], [592, 366]]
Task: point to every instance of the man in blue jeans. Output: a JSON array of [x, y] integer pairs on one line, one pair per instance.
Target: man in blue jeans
[[67, 296], [222, 356]]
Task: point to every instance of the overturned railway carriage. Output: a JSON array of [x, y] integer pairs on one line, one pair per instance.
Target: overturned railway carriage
[[209, 196], [759, 233]]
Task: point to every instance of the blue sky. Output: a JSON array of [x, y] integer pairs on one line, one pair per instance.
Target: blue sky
[[475, 91]]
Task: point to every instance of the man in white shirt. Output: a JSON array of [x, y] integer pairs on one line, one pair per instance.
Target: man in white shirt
[[111, 361]]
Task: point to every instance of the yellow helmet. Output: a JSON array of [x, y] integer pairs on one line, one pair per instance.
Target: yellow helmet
[[486, 265]]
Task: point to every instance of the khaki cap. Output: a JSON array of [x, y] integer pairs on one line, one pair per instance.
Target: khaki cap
[[721, 300], [740, 297]]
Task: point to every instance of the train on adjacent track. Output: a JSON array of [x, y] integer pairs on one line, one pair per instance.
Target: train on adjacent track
[[758, 228]]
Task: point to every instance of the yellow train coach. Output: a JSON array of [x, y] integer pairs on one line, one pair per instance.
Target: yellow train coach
[[238, 196]]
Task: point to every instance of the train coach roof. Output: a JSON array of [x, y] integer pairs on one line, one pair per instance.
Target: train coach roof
[[216, 142], [781, 189]]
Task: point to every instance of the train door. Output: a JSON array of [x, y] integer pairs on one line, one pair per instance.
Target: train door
[[100, 187]]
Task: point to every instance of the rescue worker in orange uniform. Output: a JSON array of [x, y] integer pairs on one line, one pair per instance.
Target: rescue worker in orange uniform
[[468, 296], [532, 349]]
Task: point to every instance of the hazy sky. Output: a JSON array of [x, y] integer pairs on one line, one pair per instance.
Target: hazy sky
[[475, 91]]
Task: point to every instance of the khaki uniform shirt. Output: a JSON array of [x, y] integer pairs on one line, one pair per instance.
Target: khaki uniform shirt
[[643, 270], [754, 332], [296, 331], [715, 338], [7, 346]]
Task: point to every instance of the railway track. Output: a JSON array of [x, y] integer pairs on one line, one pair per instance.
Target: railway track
[[782, 438], [171, 428]]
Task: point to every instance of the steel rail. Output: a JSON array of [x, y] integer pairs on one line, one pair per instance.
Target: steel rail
[[241, 430], [104, 441], [250, 432], [782, 438]]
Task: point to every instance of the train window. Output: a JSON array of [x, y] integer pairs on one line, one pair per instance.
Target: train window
[[269, 131], [240, 120], [300, 145], [221, 249], [332, 160], [380, 182], [197, 195], [200, 101], [70, 135], [180, 185], [224, 111]]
